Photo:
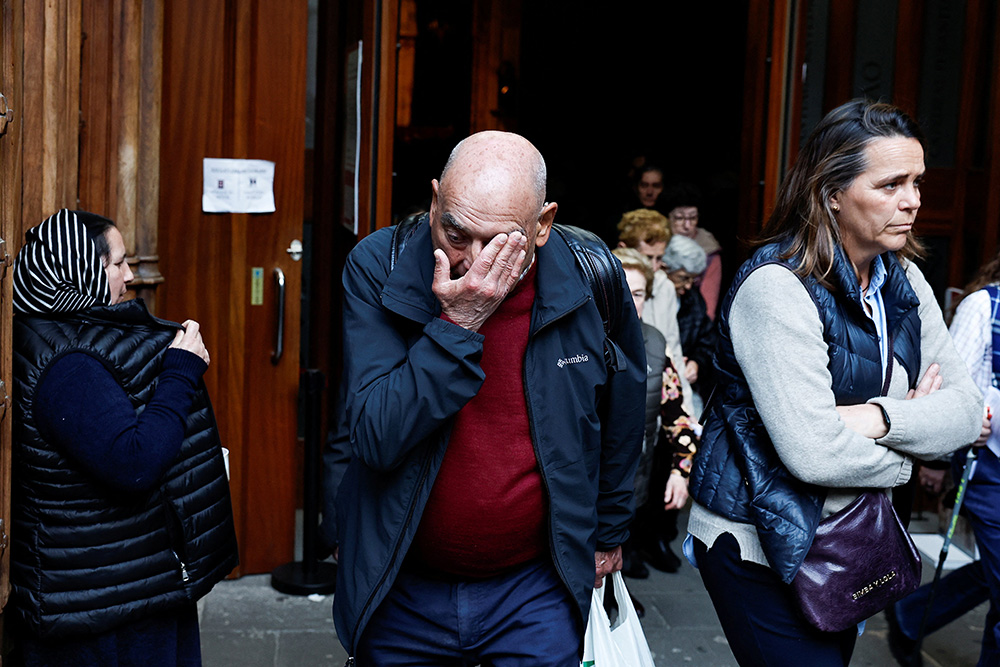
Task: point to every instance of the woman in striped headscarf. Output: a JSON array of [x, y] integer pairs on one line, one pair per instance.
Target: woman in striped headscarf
[[61, 268], [121, 509]]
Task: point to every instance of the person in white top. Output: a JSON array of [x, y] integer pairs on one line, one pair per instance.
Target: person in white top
[[975, 329], [649, 232]]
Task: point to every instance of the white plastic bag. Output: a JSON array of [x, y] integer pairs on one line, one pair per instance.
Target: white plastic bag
[[598, 647], [621, 645]]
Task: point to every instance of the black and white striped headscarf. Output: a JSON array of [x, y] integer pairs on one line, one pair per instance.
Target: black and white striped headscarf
[[58, 270]]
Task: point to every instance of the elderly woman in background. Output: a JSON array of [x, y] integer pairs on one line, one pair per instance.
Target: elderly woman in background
[[648, 232], [684, 261], [669, 441], [683, 204], [837, 371], [121, 510], [976, 332]]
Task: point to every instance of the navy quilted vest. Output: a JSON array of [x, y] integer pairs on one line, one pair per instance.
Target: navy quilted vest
[[737, 473], [86, 558]]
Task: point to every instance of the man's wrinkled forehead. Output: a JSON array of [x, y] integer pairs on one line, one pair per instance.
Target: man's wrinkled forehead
[[488, 188], [485, 176]]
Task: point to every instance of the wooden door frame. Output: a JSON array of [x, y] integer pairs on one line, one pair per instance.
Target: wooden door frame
[[39, 170], [12, 86], [341, 25], [380, 30], [991, 224], [762, 117]]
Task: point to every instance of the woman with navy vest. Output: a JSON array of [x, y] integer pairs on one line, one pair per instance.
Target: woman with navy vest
[[121, 511], [835, 371]]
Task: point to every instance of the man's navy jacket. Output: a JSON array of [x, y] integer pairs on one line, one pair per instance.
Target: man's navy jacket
[[409, 372]]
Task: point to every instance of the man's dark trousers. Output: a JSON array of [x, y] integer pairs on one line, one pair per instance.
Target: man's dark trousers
[[522, 618]]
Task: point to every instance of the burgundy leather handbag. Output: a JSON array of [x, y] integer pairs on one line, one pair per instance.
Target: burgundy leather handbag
[[861, 561]]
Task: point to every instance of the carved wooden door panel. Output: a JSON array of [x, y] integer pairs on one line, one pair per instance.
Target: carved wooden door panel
[[10, 88]]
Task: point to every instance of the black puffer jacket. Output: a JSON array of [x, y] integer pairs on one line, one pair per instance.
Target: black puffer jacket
[[86, 558], [737, 473], [698, 337], [656, 361]]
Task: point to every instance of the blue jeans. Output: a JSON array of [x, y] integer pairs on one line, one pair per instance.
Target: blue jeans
[[523, 618], [760, 616], [957, 593]]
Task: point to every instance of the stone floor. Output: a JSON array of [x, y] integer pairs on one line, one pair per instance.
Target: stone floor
[[246, 623]]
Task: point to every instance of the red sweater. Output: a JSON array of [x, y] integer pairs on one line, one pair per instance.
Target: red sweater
[[487, 510]]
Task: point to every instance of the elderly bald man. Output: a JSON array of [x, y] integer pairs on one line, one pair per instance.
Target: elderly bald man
[[493, 448]]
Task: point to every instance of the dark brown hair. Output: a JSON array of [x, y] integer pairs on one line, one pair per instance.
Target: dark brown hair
[[97, 228], [988, 274]]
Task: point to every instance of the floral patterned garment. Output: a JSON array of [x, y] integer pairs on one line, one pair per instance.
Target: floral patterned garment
[[677, 431]]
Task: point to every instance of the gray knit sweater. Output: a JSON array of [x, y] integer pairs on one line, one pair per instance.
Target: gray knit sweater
[[778, 341]]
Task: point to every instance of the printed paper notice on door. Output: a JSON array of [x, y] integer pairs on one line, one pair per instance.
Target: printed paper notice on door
[[238, 186]]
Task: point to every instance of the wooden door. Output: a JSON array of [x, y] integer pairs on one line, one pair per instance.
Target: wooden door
[[39, 44], [234, 79], [9, 207], [42, 43]]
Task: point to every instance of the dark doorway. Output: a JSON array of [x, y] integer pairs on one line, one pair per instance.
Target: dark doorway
[[434, 73], [593, 90], [659, 80]]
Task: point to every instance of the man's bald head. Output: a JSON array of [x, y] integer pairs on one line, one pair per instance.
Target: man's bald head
[[493, 183], [498, 161]]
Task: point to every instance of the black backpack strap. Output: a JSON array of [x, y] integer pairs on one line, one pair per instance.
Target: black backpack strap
[[402, 232], [600, 268]]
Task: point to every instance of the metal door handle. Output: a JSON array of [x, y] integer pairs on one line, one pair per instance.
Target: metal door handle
[[279, 347]]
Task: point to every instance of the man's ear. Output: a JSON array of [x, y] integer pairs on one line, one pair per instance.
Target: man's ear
[[435, 187], [545, 223]]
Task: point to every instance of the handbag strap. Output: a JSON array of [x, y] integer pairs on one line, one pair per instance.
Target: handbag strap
[[994, 292]]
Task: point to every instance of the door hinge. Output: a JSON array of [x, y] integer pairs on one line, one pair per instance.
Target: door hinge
[[4, 400], [5, 260], [6, 114]]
